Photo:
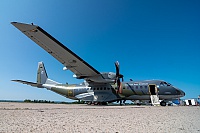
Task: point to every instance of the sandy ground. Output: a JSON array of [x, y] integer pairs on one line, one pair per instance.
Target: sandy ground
[[36, 117]]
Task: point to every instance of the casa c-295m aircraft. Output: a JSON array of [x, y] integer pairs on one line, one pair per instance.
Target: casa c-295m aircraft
[[98, 88]]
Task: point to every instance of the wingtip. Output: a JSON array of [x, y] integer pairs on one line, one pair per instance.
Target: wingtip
[[13, 23], [14, 80]]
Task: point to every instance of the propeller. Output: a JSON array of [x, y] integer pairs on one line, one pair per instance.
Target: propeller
[[118, 76]]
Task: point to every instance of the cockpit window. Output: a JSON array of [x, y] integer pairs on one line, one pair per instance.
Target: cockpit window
[[168, 84], [165, 84]]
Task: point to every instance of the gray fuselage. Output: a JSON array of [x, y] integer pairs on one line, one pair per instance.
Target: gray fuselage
[[133, 90]]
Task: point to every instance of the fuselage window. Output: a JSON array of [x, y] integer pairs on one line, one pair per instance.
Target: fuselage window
[[101, 88], [97, 88], [140, 87], [94, 88], [136, 87], [108, 88], [104, 88], [145, 87]]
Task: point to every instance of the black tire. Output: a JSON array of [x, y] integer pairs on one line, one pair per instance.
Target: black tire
[[89, 103], [104, 103], [163, 103]]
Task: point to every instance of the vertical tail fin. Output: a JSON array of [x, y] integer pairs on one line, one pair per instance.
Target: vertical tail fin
[[42, 77], [41, 74]]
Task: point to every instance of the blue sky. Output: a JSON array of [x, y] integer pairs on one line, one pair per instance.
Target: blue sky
[[151, 40]]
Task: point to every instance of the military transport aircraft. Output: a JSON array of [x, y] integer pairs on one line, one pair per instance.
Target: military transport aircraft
[[98, 88]]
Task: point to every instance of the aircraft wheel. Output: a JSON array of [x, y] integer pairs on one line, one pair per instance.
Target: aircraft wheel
[[96, 103], [89, 103], [104, 103], [163, 103]]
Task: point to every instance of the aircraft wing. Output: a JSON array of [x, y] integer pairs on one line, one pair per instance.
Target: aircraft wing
[[64, 55], [29, 83]]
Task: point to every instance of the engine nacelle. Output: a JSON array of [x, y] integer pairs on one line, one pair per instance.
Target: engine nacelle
[[109, 75]]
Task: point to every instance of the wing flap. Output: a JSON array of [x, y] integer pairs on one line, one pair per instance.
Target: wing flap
[[64, 55]]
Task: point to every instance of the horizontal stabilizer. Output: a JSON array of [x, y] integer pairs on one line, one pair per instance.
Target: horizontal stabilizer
[[29, 83]]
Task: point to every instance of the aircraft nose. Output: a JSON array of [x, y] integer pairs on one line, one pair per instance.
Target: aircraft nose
[[183, 93], [180, 92]]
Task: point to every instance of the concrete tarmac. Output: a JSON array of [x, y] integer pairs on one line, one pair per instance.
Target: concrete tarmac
[[68, 118]]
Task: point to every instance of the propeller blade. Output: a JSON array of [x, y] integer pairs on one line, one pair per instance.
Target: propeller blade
[[117, 68], [118, 85], [118, 76]]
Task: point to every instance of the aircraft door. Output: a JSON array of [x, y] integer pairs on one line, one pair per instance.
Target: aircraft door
[[153, 89]]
